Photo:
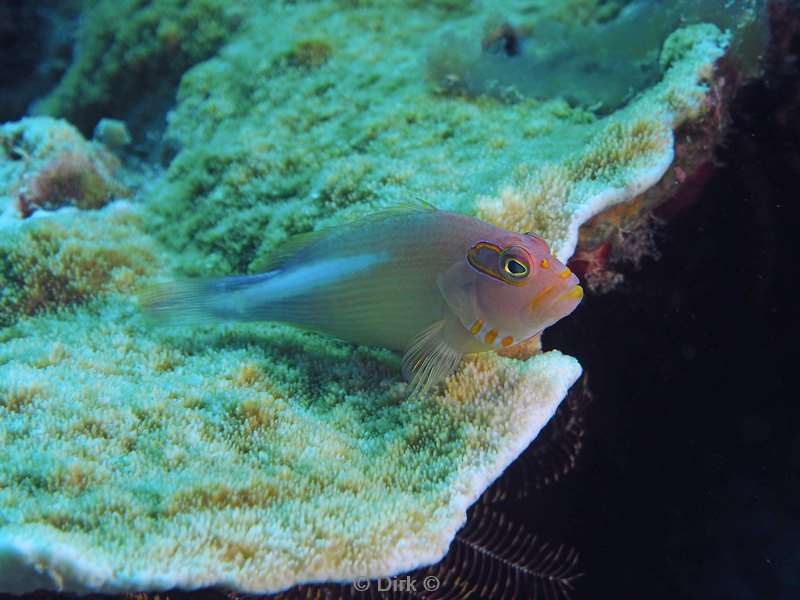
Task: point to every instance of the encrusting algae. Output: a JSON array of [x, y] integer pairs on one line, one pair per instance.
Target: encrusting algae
[[256, 456]]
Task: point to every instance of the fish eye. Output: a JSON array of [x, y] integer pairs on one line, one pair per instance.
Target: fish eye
[[515, 267]]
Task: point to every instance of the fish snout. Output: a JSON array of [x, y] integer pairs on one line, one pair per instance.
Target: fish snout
[[558, 297]]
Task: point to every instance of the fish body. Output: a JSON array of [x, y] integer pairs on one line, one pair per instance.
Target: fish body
[[430, 283]]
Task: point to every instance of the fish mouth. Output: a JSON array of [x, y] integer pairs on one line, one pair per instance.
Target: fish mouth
[[557, 300], [551, 295], [576, 293], [569, 299]]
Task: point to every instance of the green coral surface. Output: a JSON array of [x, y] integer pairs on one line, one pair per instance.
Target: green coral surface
[[240, 456]]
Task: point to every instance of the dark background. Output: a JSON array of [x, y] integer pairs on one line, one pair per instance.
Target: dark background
[[689, 482]]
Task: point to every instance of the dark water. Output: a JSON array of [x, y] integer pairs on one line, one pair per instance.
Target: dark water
[[689, 483]]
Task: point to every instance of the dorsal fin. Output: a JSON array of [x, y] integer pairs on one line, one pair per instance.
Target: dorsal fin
[[410, 206], [391, 211], [288, 249], [296, 243]]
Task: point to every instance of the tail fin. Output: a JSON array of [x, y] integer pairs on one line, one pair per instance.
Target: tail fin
[[198, 301]]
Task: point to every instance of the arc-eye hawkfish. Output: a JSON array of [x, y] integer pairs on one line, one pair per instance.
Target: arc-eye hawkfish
[[430, 283]]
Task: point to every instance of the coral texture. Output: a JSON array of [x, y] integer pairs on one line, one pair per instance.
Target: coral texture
[[52, 258], [599, 66], [46, 164], [126, 45], [290, 459], [265, 163], [624, 154], [47, 264]]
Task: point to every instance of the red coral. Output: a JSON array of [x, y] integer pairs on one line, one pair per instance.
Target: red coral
[[588, 262], [70, 179]]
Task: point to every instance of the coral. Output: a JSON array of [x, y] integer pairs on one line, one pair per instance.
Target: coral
[[218, 476], [124, 46], [112, 133], [622, 235], [592, 266], [599, 66], [66, 180], [595, 66], [623, 155], [309, 54], [555, 199], [231, 198], [48, 264], [47, 164]]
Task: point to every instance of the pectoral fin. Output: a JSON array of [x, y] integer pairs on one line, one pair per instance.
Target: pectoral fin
[[456, 285], [429, 359]]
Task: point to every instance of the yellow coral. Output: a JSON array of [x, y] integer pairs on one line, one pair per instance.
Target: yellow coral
[[310, 54], [537, 204], [619, 148]]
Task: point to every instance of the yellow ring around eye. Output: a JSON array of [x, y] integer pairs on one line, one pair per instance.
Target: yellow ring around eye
[[515, 274]]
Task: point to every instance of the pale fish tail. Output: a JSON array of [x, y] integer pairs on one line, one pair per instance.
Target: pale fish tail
[[198, 301]]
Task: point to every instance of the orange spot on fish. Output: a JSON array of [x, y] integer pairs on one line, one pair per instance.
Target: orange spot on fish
[[476, 327], [565, 273], [545, 263], [507, 341], [541, 296], [491, 336]]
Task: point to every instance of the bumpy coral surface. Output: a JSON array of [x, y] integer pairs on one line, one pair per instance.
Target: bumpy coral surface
[[127, 45], [270, 149], [47, 264], [289, 458], [258, 456], [50, 258], [46, 164]]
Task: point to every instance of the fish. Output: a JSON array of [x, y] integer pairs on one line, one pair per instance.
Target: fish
[[432, 284]]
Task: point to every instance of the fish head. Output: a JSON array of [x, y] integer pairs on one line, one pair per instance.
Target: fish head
[[517, 289]]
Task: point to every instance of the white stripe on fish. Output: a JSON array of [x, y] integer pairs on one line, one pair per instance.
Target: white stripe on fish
[[302, 280]]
